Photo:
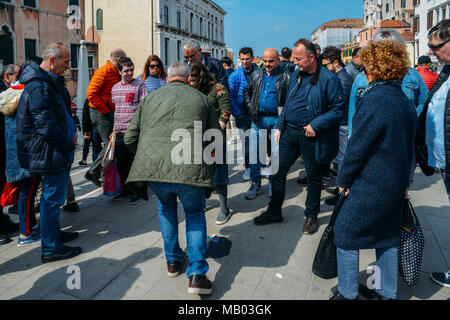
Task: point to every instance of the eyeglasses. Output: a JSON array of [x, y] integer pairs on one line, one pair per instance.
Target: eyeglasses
[[434, 48], [153, 66], [326, 64], [190, 57]]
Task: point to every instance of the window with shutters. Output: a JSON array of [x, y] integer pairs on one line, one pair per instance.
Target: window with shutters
[[30, 48], [430, 20]]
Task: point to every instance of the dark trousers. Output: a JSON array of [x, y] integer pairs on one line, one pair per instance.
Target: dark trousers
[[293, 143], [124, 158], [96, 141], [245, 124], [104, 125], [27, 194]]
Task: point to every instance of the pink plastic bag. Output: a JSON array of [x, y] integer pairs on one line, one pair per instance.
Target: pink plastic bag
[[113, 184]]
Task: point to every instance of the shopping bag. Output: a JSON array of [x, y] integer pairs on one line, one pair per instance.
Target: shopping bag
[[412, 244], [112, 185], [109, 154], [10, 194], [325, 260]]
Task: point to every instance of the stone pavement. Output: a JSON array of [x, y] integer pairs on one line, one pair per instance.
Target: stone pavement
[[123, 256]]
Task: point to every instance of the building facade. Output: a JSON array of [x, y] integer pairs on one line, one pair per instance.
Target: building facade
[[27, 27], [337, 32], [376, 11], [154, 27], [428, 14]]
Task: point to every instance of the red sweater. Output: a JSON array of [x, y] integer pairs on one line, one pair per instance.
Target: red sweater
[[428, 76]]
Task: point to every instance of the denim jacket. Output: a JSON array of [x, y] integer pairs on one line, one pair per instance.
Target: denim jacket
[[326, 102], [413, 86]]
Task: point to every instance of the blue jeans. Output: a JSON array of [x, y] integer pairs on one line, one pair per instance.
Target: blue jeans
[[27, 193], [245, 124], [268, 123], [193, 200], [348, 272], [447, 183], [54, 193]]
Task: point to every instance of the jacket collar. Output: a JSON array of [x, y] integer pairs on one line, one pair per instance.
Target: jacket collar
[[316, 74]]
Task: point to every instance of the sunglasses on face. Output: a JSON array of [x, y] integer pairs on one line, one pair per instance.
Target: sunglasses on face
[[434, 48], [153, 66]]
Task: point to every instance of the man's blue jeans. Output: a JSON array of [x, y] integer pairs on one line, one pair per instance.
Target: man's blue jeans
[[447, 183], [386, 273], [54, 193], [244, 124], [268, 123], [193, 200]]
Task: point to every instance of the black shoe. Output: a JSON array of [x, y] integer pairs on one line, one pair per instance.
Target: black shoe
[[326, 176], [119, 196], [199, 284], [338, 296], [83, 163], [67, 236], [266, 218], [332, 201], [93, 178], [302, 181], [371, 294], [310, 226], [173, 268], [4, 240], [71, 207], [135, 199], [62, 254], [7, 227]]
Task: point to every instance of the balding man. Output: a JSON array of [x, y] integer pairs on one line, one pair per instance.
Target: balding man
[[46, 143], [264, 97], [102, 107]]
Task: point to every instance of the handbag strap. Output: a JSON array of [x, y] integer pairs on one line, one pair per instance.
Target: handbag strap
[[337, 208]]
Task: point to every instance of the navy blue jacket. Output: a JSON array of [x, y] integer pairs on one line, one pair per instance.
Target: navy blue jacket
[[346, 83], [376, 169], [216, 69], [326, 105], [43, 141]]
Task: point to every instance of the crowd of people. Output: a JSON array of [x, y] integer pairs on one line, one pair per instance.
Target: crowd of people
[[354, 122]]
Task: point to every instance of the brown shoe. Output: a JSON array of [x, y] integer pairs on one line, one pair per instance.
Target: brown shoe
[[310, 226], [173, 268], [200, 285]]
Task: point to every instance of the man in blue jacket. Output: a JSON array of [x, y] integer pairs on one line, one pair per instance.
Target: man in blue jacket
[[46, 143], [308, 125], [237, 81]]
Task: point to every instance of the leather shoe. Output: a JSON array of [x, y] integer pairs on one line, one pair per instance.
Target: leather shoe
[[338, 296], [67, 236], [173, 268], [93, 178], [266, 218], [62, 254], [310, 226], [371, 294], [4, 240]]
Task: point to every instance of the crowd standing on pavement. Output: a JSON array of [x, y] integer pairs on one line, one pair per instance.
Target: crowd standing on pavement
[[367, 118]]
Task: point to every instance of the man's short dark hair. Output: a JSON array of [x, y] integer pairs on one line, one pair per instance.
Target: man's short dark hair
[[424, 60], [441, 30], [310, 47], [355, 52], [227, 61], [286, 53], [333, 54], [246, 50], [125, 62]]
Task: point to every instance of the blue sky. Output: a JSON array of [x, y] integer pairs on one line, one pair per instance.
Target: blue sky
[[279, 23]]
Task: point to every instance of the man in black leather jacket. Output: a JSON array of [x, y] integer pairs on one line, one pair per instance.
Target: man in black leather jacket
[[264, 97]]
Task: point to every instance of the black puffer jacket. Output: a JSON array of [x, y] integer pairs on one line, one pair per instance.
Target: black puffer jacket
[[443, 77], [43, 141], [252, 92]]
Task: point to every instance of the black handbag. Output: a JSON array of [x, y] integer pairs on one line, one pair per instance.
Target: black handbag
[[412, 243], [325, 260]]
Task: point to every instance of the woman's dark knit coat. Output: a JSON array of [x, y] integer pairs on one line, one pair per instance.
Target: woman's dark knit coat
[[376, 168]]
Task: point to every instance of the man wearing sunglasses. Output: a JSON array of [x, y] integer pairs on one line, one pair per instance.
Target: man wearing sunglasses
[[193, 53], [434, 121]]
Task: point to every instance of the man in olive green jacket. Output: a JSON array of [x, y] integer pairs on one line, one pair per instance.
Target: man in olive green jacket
[[176, 169]]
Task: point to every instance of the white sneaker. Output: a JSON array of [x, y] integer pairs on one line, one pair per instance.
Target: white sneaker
[[246, 175]]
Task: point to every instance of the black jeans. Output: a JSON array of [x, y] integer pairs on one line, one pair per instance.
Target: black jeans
[[104, 124], [293, 143], [96, 141], [124, 158]]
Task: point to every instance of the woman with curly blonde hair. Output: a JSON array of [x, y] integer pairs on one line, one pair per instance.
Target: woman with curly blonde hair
[[375, 174]]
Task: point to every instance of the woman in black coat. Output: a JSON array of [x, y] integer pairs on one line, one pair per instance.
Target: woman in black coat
[[375, 174]]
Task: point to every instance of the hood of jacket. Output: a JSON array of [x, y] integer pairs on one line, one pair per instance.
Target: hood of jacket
[[33, 72], [9, 101]]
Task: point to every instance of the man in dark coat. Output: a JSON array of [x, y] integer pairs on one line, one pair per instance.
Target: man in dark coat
[[434, 120], [193, 53], [308, 125], [45, 141], [8, 76]]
